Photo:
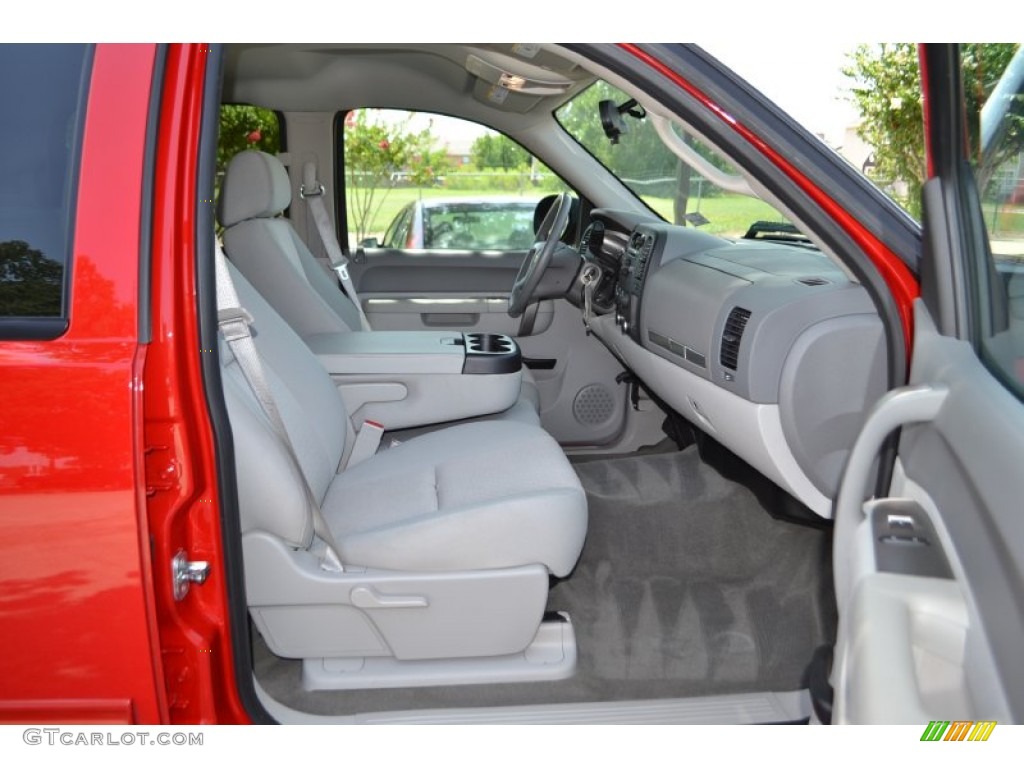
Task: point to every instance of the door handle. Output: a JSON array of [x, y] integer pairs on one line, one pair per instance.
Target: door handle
[[906, 405]]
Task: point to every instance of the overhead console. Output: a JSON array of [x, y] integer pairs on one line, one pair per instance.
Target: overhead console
[[405, 379], [768, 347]]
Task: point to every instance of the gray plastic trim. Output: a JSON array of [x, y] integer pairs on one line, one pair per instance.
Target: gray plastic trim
[[751, 430], [550, 656], [834, 372], [389, 352], [905, 539], [906, 405], [730, 709], [406, 379], [304, 611]]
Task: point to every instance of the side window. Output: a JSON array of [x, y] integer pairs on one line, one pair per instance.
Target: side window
[[43, 89], [996, 126], [430, 182]]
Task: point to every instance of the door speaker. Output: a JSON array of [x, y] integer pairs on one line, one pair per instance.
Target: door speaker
[[593, 405]]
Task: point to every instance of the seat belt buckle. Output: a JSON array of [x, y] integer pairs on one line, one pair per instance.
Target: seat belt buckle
[[367, 442], [342, 270]]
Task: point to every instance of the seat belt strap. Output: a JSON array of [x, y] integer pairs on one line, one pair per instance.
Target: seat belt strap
[[235, 325], [312, 191]]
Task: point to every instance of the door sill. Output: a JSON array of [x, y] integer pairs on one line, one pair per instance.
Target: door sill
[[729, 709]]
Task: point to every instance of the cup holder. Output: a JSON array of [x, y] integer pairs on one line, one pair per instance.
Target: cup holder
[[489, 343], [491, 353]]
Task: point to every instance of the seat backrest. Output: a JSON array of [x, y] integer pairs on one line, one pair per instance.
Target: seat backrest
[[271, 494], [267, 250]]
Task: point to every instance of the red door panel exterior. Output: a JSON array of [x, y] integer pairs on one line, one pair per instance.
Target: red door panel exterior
[[76, 604]]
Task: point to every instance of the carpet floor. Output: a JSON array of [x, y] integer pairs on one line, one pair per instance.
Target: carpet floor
[[686, 587]]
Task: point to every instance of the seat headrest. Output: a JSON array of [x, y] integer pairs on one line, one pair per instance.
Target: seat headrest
[[256, 186]]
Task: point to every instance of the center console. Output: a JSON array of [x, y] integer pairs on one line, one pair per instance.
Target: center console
[[637, 261], [404, 379]]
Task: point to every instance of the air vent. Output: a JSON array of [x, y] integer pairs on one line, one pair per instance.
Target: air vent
[[585, 240], [643, 247], [729, 354], [813, 281]]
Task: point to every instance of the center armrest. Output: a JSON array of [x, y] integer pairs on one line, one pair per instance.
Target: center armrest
[[389, 352], [405, 379]]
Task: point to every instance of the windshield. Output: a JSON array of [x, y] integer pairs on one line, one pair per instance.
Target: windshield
[[673, 189]]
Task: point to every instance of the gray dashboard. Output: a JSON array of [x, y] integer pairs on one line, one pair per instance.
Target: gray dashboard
[[773, 323]]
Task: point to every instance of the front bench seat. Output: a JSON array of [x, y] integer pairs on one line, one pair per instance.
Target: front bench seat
[[448, 540], [266, 249]]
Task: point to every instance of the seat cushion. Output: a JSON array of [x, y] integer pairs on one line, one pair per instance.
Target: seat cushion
[[475, 496]]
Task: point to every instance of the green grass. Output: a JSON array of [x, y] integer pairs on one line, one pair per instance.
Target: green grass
[[1004, 219], [728, 215]]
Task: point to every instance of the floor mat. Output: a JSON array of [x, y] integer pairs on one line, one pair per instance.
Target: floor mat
[[686, 587]]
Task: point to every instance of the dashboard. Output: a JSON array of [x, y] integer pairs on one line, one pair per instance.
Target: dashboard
[[767, 346]]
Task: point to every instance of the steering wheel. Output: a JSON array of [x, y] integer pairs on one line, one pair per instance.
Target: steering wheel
[[539, 256]]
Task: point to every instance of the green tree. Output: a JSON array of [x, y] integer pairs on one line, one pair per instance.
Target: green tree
[[30, 283], [380, 153], [498, 151], [886, 89]]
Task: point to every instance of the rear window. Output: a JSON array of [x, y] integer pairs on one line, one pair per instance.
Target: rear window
[[43, 91]]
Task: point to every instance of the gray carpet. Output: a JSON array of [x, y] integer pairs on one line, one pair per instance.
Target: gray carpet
[[686, 587]]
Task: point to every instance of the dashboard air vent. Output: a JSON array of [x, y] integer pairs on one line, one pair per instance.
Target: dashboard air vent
[[642, 246], [729, 354], [813, 281]]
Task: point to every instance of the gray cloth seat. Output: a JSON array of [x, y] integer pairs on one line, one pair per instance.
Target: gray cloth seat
[[503, 486], [472, 496], [267, 250], [447, 541]]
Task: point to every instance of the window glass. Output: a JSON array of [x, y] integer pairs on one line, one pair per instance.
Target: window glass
[[996, 130], [398, 231], [679, 192], [42, 89], [417, 180]]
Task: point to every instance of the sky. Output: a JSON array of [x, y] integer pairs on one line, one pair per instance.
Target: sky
[[804, 80]]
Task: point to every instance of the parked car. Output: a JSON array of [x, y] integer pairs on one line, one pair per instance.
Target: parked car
[[642, 473], [490, 224]]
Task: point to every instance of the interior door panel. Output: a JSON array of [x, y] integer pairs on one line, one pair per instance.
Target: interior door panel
[[582, 404], [915, 647], [930, 582]]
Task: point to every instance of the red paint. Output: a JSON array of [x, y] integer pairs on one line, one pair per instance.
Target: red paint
[[109, 465], [75, 603], [902, 283], [93, 711], [177, 435]]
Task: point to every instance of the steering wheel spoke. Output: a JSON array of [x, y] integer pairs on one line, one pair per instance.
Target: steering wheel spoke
[[539, 256]]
